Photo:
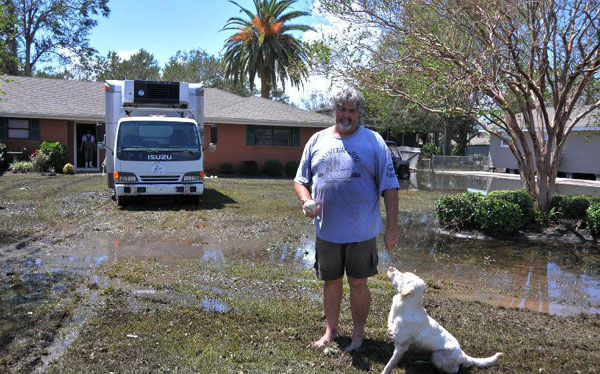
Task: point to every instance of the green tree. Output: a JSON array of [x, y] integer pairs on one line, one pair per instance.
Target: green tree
[[42, 30], [199, 66], [525, 64], [263, 46], [140, 65]]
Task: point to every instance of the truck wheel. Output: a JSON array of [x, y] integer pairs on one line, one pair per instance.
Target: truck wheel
[[121, 201]]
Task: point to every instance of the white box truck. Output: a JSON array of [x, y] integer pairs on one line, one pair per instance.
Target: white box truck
[[154, 135]]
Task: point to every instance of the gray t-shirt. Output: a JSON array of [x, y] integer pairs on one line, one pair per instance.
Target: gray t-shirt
[[347, 176]]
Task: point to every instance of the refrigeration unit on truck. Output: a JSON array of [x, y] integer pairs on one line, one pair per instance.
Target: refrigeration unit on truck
[[154, 135]]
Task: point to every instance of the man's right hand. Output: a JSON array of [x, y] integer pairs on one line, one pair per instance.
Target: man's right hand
[[314, 214]]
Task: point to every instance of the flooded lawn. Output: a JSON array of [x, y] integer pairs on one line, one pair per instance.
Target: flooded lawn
[[228, 286]]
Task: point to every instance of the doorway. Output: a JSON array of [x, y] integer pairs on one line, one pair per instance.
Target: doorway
[[83, 142]]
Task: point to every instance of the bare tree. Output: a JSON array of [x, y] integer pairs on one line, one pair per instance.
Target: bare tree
[[525, 63]]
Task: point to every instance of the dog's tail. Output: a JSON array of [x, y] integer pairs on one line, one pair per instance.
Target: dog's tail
[[481, 362]]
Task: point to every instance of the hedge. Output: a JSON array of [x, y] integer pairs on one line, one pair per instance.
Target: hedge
[[572, 206], [593, 219], [272, 168], [522, 199], [249, 168], [497, 216], [291, 167], [457, 211]]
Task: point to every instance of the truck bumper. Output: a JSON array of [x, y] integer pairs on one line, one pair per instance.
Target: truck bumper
[[138, 189]]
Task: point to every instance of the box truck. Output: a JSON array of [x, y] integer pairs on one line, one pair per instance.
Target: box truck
[[153, 136]]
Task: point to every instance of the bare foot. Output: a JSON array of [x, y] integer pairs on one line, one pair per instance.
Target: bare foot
[[327, 338], [357, 341]]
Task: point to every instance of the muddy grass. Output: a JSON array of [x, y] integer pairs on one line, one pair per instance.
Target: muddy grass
[[161, 296]]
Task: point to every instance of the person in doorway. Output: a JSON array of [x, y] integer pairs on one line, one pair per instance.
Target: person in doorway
[[88, 149], [345, 169]]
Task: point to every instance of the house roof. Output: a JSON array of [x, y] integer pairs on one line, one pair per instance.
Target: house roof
[[27, 97], [591, 122]]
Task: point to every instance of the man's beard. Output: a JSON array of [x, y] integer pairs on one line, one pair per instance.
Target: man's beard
[[344, 125]]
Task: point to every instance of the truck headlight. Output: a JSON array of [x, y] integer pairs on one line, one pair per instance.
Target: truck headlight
[[124, 177], [194, 176]]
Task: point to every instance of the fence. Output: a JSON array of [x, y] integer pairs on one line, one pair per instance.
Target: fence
[[474, 163]]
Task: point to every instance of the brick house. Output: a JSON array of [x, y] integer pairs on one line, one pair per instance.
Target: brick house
[[33, 110]]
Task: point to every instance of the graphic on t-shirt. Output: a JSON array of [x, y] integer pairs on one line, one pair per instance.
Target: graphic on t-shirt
[[341, 165]]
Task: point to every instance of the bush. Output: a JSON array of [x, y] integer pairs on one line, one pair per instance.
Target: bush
[[572, 206], [68, 169], [522, 199], [291, 167], [21, 167], [457, 211], [39, 161], [273, 168], [226, 168], [430, 149], [593, 219], [496, 216], [248, 168], [57, 155], [2, 149]]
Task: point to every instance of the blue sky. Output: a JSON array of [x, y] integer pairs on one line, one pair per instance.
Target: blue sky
[[163, 27]]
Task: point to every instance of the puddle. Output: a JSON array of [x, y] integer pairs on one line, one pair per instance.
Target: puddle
[[214, 305], [554, 279]]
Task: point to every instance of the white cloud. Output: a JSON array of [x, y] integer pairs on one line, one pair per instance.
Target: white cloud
[[126, 55]]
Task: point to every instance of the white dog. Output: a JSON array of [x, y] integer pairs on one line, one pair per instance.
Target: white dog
[[409, 325]]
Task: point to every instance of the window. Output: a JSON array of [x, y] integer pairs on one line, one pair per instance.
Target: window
[[18, 128], [273, 135]]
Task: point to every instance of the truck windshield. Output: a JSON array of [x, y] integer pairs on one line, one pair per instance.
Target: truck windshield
[[157, 136]]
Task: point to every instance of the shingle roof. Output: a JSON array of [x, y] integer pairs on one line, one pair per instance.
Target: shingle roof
[[76, 100]]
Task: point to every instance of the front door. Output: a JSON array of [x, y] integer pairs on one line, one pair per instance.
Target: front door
[[87, 146]]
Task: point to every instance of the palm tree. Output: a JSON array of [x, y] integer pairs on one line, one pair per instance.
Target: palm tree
[[261, 46]]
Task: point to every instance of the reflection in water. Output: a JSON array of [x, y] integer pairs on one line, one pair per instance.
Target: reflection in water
[[213, 305]]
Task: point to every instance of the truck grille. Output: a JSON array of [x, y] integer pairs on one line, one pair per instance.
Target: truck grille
[[159, 178]]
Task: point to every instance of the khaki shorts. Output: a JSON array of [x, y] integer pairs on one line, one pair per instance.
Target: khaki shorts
[[359, 260]]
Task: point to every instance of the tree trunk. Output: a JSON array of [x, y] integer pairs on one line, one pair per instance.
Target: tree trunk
[[265, 83], [447, 149]]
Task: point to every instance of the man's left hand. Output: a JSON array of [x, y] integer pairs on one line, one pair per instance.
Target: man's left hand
[[390, 238]]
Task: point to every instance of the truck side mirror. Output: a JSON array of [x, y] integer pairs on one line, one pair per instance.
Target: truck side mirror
[[100, 136], [213, 134]]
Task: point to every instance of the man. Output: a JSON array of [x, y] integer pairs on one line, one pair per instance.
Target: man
[[88, 148], [344, 169]]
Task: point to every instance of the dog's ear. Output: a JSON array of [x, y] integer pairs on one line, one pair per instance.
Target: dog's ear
[[407, 288], [411, 286]]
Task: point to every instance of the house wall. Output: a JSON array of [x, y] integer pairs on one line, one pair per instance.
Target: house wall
[[482, 150], [501, 157], [580, 154], [232, 148], [50, 130]]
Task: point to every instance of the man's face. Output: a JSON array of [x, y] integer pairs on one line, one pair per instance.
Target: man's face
[[346, 118]]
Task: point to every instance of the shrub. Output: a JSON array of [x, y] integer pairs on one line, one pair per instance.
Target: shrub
[[21, 167], [39, 161], [68, 169], [572, 206], [226, 168], [291, 167], [457, 211], [522, 199], [497, 216], [2, 149], [593, 218], [430, 149], [273, 168], [57, 155], [248, 168]]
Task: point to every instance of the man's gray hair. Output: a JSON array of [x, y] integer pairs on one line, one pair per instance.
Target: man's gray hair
[[350, 95]]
